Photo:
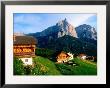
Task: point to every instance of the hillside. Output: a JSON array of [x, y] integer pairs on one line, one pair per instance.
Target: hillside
[[63, 36], [44, 66], [70, 44]]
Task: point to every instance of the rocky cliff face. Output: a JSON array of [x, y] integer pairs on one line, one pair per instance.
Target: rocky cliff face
[[86, 31], [65, 29], [64, 37], [59, 30]]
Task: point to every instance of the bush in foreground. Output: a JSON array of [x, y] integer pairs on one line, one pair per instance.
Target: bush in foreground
[[18, 67]]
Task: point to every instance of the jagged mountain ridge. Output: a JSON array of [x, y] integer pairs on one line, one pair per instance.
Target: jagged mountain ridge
[[63, 36], [63, 27], [66, 28], [60, 29], [86, 31]]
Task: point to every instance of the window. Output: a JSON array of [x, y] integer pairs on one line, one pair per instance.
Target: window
[[26, 60]]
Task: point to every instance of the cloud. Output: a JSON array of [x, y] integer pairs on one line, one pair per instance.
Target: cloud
[[80, 19]]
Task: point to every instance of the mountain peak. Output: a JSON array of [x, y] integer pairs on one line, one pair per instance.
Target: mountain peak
[[65, 20], [62, 22], [65, 28], [86, 31]]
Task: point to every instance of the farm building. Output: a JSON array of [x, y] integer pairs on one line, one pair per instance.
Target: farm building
[[24, 48], [64, 57], [82, 56]]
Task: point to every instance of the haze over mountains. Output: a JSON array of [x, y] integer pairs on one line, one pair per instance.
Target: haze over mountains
[[82, 39]]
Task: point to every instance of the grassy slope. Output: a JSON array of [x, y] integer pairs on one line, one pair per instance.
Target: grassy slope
[[44, 66], [85, 67], [49, 65]]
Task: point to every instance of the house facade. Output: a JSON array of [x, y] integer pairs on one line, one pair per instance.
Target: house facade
[[24, 48], [64, 57]]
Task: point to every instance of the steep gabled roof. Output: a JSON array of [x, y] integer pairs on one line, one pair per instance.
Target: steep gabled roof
[[25, 40]]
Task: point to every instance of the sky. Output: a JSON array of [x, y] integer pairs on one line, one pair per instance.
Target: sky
[[37, 22]]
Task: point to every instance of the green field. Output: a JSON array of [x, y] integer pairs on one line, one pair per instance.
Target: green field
[[44, 66], [85, 68]]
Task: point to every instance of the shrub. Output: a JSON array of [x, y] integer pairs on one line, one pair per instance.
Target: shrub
[[28, 70], [18, 67], [39, 69]]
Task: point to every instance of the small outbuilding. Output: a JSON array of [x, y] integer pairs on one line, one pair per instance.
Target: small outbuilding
[[82, 56]]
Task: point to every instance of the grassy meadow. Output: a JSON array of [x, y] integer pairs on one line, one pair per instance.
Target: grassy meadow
[[45, 66]]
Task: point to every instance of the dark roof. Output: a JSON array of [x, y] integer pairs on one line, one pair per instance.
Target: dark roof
[[25, 40]]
